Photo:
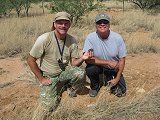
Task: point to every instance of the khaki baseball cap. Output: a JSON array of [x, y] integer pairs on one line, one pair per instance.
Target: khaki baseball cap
[[102, 16], [62, 16]]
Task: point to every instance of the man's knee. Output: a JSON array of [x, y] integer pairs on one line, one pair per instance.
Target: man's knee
[[79, 73], [92, 70]]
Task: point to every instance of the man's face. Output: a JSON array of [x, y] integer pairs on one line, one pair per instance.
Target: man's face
[[102, 26], [62, 26]]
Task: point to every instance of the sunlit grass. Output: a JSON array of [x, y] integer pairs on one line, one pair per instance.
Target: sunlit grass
[[18, 34]]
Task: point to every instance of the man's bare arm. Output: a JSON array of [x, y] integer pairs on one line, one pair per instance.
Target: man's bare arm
[[79, 61], [120, 70], [98, 61], [35, 69]]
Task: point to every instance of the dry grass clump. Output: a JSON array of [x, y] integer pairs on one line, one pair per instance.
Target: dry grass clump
[[150, 104], [18, 34], [132, 21], [67, 111], [156, 30], [118, 5], [137, 45], [141, 28], [145, 106], [120, 110]]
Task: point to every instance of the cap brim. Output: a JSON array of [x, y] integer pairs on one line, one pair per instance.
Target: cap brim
[[62, 18]]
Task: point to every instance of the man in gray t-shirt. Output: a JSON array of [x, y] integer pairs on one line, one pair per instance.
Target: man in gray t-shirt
[[109, 53]]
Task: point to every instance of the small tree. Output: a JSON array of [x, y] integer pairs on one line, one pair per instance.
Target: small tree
[[42, 6], [5, 7], [27, 4], [76, 8], [17, 4]]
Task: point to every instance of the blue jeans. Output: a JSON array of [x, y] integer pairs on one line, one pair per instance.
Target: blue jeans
[[93, 72]]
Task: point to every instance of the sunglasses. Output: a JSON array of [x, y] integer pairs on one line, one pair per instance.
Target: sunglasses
[[102, 22]]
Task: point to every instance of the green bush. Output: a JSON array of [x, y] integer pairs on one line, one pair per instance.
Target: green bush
[[76, 8], [5, 7]]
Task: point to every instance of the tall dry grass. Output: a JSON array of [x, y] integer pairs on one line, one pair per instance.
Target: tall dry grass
[[142, 29], [18, 34], [114, 4]]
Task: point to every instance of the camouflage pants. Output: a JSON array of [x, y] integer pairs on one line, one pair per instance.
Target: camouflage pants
[[50, 96]]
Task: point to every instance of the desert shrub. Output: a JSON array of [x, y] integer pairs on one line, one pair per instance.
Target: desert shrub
[[5, 7], [76, 8]]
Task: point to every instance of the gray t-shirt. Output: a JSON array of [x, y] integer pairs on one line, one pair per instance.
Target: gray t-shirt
[[111, 48]]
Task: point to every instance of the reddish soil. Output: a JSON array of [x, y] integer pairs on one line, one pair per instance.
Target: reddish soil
[[19, 89]]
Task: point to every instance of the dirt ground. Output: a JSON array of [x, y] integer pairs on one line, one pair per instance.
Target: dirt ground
[[19, 89]]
